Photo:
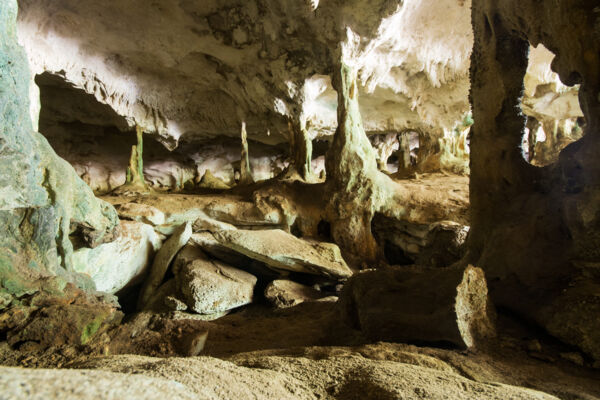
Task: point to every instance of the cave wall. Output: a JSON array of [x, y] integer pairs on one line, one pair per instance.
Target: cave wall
[[534, 230], [43, 200]]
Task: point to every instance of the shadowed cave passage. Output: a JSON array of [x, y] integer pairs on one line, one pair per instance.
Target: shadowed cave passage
[[299, 199]]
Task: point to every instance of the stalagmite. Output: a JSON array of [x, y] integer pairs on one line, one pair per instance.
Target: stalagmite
[[245, 171], [301, 149], [352, 175], [135, 182]]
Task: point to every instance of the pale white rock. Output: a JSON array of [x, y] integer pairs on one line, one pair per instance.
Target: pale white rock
[[121, 263]]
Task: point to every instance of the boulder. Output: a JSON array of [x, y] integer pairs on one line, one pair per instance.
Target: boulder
[[409, 305], [162, 261], [209, 181], [283, 251], [141, 213], [284, 293], [210, 286], [122, 263]]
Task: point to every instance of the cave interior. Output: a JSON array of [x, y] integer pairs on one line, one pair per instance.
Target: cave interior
[[299, 199]]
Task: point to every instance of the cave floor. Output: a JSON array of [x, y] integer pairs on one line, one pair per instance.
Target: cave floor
[[302, 352]]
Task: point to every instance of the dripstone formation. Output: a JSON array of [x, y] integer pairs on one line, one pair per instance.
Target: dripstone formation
[[299, 199]]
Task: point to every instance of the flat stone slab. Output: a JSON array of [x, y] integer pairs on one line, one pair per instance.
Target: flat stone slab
[[283, 251]]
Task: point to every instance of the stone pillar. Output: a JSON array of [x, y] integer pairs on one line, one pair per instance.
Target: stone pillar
[[135, 171], [300, 148], [245, 171], [352, 172]]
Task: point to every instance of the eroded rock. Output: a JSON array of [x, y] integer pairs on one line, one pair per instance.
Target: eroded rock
[[409, 305], [210, 286], [121, 263], [285, 293], [162, 261], [141, 213]]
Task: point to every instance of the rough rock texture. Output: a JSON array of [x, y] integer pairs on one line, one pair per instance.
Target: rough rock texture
[[210, 287], [263, 62], [41, 384], [121, 263], [141, 213], [440, 244], [534, 230], [42, 199], [403, 305], [58, 314], [162, 262], [283, 251], [333, 377], [284, 293]]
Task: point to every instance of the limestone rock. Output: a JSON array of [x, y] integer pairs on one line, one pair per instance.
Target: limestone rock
[[59, 314], [263, 377], [283, 251], [284, 293], [162, 261], [210, 287], [42, 200], [437, 244], [122, 263], [141, 213], [210, 181], [245, 214], [18, 383], [405, 305]]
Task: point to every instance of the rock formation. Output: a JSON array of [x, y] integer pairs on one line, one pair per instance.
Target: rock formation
[[300, 198]]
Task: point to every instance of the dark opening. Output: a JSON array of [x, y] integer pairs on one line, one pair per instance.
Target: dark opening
[[324, 230]]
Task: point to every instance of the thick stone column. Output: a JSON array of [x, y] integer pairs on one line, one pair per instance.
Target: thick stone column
[[352, 174]]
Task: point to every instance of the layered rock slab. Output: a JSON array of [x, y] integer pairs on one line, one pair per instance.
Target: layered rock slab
[[409, 305], [282, 251]]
